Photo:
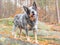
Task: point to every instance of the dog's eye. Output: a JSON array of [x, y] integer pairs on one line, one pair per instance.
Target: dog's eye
[[32, 11]]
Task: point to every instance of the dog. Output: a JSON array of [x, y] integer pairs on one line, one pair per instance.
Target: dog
[[27, 21]]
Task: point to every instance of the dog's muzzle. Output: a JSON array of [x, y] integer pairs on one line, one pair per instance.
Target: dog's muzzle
[[32, 17]]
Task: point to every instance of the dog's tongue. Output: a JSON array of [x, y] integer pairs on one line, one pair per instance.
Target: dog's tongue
[[32, 18], [31, 15]]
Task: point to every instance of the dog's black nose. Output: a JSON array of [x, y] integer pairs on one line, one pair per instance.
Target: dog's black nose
[[33, 12]]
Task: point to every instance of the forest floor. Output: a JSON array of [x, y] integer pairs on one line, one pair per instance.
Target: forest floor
[[47, 34]]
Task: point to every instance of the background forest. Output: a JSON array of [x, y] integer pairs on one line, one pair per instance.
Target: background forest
[[46, 8]]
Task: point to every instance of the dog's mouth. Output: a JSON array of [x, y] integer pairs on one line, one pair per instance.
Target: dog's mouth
[[32, 17]]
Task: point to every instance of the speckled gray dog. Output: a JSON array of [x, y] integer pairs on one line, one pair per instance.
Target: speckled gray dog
[[30, 17]]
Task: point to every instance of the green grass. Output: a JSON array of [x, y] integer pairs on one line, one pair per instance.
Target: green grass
[[8, 21]]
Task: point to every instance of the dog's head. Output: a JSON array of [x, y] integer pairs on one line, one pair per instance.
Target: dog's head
[[31, 11]]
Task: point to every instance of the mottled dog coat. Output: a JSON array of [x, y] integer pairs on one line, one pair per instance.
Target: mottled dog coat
[[30, 17]]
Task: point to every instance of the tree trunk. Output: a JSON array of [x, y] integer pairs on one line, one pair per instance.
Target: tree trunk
[[57, 11]]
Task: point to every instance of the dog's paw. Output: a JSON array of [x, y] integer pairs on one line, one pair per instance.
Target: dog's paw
[[15, 36], [13, 33], [36, 42], [28, 39]]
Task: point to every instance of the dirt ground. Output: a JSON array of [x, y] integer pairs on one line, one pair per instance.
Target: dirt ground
[[46, 34]]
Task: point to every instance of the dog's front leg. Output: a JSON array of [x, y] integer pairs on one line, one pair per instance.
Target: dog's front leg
[[35, 34], [27, 36]]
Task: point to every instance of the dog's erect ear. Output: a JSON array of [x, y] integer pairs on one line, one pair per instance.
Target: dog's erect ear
[[34, 5], [26, 9]]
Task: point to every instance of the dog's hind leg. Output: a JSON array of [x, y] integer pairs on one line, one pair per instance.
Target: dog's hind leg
[[20, 34], [14, 30]]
